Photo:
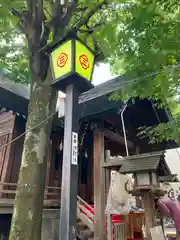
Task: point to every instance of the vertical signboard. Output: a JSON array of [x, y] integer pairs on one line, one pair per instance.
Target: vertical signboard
[[74, 148]]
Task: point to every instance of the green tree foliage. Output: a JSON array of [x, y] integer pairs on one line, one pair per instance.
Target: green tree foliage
[[13, 51], [13, 48], [30, 28], [148, 52]]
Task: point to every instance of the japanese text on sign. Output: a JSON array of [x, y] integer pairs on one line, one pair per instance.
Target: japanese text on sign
[[74, 148]]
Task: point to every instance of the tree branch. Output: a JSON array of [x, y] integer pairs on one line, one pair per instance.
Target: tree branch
[[73, 31], [57, 11], [22, 19], [17, 14], [92, 29], [81, 9], [68, 15], [45, 36], [38, 15], [89, 15], [46, 32], [48, 13], [172, 4], [61, 17], [30, 6]]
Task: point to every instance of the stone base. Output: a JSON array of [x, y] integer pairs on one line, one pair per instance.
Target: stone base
[[50, 224]]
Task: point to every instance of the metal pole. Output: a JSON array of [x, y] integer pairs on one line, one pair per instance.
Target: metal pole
[[124, 130], [68, 209]]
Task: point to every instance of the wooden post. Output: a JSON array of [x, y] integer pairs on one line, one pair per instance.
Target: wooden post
[[48, 168], [110, 229], [138, 198], [107, 184], [150, 213], [107, 174], [99, 186]]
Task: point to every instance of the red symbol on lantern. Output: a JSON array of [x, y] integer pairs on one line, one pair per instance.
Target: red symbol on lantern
[[62, 60], [84, 61]]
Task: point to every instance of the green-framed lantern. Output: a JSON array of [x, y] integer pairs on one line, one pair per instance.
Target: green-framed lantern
[[72, 62]]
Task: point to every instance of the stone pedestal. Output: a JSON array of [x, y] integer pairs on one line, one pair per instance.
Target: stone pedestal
[[50, 224]]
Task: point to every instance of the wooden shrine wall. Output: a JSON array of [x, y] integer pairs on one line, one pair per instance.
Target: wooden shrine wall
[[11, 127], [54, 161], [7, 121], [16, 149]]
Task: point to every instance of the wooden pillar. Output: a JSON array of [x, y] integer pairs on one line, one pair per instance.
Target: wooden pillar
[[48, 170], [150, 213], [107, 185], [107, 174], [109, 224], [138, 198], [99, 186]]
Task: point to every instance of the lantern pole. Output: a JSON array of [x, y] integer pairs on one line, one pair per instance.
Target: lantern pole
[[72, 66], [68, 210]]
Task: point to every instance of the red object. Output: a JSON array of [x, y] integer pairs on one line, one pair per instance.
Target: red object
[[83, 59], [115, 218], [170, 208], [62, 59]]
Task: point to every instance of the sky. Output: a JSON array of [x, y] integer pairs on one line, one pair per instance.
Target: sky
[[173, 160], [101, 74]]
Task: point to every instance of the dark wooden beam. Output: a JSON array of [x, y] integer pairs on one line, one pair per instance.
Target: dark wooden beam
[[115, 137], [169, 178], [99, 186], [112, 163]]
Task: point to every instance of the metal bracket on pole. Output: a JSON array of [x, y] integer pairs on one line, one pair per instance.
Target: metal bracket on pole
[[68, 211]]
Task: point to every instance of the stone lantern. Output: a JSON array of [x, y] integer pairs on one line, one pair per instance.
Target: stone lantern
[[146, 168]]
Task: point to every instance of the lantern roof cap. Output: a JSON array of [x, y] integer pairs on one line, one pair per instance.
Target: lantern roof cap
[[51, 47], [149, 162]]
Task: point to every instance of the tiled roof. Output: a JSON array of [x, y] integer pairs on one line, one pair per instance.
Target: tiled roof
[[141, 163]]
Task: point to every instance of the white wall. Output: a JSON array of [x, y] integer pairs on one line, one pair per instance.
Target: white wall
[[173, 160]]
